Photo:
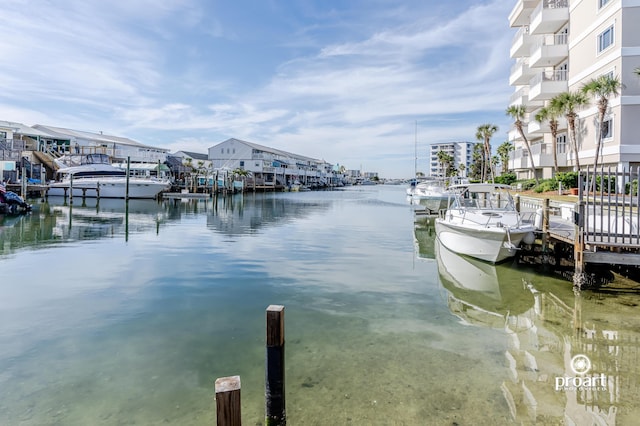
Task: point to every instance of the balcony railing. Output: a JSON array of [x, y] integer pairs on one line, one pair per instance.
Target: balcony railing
[[551, 40], [556, 75], [520, 33]]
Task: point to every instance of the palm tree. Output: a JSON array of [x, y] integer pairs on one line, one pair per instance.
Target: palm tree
[[518, 112], [445, 161], [461, 168], [568, 103], [637, 71], [602, 88], [484, 134], [551, 113], [503, 152]]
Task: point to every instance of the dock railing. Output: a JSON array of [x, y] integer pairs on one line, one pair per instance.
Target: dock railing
[[611, 214]]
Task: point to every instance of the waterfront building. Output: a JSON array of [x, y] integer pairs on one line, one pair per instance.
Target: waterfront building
[[461, 152], [559, 46], [195, 160], [15, 138], [117, 147], [270, 167]]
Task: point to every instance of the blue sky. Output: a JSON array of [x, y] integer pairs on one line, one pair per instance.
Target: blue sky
[[344, 81]]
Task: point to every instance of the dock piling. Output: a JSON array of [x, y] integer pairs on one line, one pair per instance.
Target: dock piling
[[228, 407], [274, 380]]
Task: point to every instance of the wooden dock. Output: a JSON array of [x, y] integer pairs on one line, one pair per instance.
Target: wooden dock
[[598, 227], [587, 234]]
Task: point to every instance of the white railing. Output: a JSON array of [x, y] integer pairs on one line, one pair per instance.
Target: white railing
[[556, 75], [520, 33]]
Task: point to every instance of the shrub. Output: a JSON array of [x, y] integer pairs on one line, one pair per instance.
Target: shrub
[[506, 178], [633, 186], [528, 184], [568, 179], [547, 185]]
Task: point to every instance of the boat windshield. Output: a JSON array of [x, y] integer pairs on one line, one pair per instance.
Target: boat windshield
[[484, 200], [95, 159]]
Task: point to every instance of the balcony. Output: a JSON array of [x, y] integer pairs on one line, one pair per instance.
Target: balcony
[[549, 51], [521, 43], [521, 97], [547, 84], [543, 155], [520, 72], [549, 16], [521, 12], [536, 128]]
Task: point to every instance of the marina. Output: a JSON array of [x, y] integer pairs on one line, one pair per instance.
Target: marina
[[138, 307]]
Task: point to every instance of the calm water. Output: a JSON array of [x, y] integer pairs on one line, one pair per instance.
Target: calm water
[[113, 318]]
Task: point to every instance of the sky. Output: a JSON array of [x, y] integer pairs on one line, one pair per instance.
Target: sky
[[352, 82]]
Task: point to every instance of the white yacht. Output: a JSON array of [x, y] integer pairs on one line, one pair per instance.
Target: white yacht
[[93, 176]]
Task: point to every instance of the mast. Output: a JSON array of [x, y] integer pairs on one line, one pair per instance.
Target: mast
[[415, 161]]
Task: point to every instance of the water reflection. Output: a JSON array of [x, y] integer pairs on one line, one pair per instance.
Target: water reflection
[[248, 214], [56, 221], [546, 325], [425, 236]]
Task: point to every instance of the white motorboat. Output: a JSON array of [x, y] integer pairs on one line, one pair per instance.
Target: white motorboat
[[431, 193], [482, 222], [93, 176]]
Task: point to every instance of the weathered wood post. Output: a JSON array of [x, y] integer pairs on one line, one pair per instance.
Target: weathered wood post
[[23, 183], [517, 201], [126, 196], [228, 407], [545, 225], [579, 277], [274, 380], [71, 188]]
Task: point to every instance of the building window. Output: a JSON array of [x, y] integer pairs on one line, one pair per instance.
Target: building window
[[241, 163], [602, 3], [607, 129], [605, 39], [561, 144], [222, 151]]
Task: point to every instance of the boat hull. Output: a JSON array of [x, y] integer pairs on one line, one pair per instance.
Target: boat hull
[[109, 188], [490, 244]]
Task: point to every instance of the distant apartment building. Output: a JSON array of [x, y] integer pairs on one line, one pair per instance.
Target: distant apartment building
[[560, 45], [461, 152]]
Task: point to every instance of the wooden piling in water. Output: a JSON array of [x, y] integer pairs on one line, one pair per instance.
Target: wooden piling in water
[[228, 407], [274, 377], [545, 225], [579, 277]]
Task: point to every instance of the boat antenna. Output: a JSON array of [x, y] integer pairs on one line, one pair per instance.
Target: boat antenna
[[415, 160]]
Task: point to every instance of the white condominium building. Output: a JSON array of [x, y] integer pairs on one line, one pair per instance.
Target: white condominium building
[[461, 152], [558, 46]]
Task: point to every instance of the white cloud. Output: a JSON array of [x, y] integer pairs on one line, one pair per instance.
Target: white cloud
[[336, 83]]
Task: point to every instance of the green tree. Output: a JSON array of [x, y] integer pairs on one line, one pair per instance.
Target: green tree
[[568, 104], [637, 71], [477, 165], [503, 152], [445, 160], [484, 134], [602, 88], [518, 113], [551, 113], [461, 169]]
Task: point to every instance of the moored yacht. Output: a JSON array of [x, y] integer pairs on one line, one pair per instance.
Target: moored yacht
[[94, 176], [482, 222]]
